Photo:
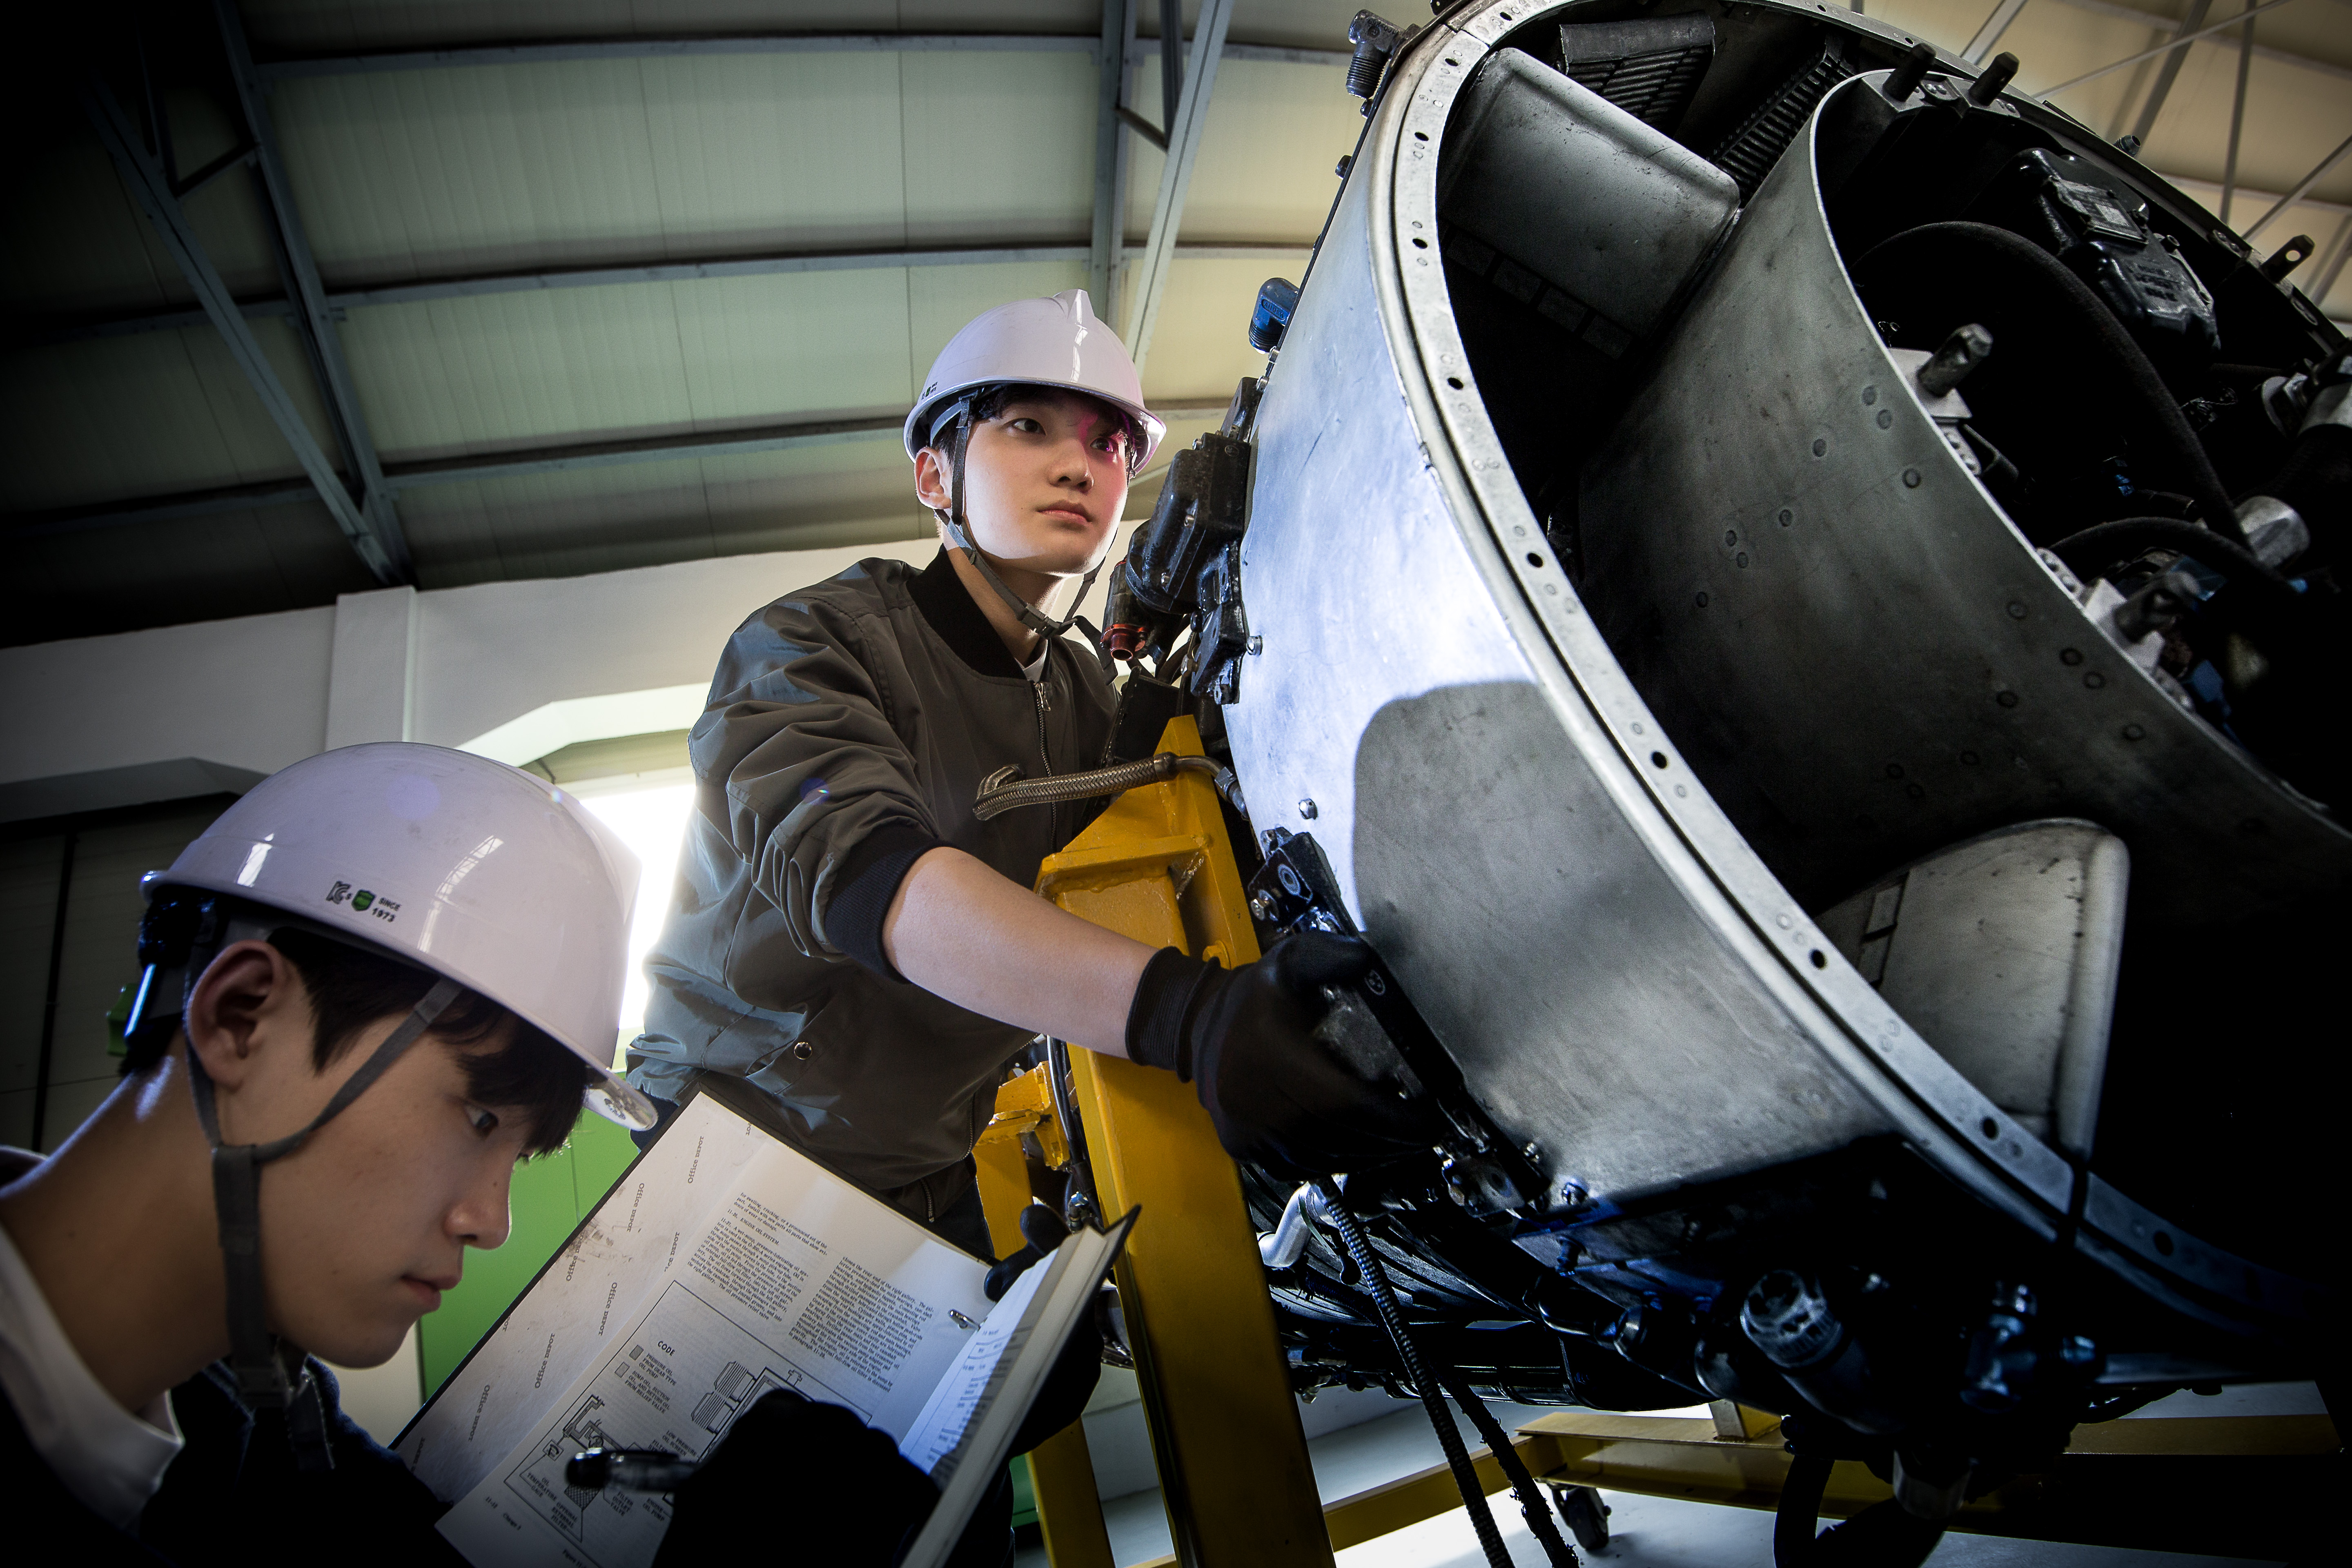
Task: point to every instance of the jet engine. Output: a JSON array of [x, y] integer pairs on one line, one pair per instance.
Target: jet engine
[[1791, 595]]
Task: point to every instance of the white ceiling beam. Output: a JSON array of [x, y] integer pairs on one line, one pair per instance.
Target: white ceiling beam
[[1109, 234], [367, 62], [640, 49], [2196, 187], [2169, 71], [458, 287], [507, 465], [2323, 276], [677, 449], [364, 62], [1184, 125], [1990, 34], [2302, 189], [2189, 25], [2205, 32], [2237, 116]]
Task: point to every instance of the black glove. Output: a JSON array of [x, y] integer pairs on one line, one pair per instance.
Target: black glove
[[1043, 1231], [1062, 1397], [858, 1499], [1244, 1039]]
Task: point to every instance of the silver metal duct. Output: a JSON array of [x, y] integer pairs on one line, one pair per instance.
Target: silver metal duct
[[1630, 991], [1789, 544]]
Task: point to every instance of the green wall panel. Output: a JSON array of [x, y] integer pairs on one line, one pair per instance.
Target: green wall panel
[[1025, 1493], [551, 1196], [601, 1150]]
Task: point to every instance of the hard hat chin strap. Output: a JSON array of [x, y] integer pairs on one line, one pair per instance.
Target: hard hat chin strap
[[270, 1374], [960, 535]]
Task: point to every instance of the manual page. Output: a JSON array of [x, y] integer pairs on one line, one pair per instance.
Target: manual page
[[723, 1265], [588, 1292], [965, 1433]]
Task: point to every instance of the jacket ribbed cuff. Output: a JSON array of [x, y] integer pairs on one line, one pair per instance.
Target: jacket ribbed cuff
[[869, 879], [1156, 1018]]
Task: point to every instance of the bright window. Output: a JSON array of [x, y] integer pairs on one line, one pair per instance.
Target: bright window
[[651, 820]]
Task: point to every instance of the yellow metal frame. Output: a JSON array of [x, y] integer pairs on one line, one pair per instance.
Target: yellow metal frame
[[1741, 1462], [1060, 1470], [1696, 1460], [1157, 865]]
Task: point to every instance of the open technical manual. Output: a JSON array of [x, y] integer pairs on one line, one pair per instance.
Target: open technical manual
[[725, 1264]]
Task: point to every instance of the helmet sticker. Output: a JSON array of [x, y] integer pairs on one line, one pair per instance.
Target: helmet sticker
[[364, 902]]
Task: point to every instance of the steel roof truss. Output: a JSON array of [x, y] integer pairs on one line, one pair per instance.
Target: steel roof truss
[[313, 320], [557, 52], [339, 301], [2302, 189], [1990, 34], [2170, 71], [150, 186], [2175, 42], [823, 432], [2237, 116]]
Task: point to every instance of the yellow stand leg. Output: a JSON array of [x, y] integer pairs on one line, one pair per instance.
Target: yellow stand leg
[[1233, 1461], [1060, 1470]]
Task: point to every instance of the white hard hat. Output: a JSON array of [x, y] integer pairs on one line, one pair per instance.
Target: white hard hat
[[1054, 341], [482, 873]]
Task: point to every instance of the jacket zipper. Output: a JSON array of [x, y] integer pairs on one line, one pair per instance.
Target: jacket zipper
[[1045, 757], [1045, 703]]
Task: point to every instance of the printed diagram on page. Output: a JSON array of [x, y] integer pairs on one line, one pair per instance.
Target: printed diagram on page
[[783, 1277], [682, 1379]]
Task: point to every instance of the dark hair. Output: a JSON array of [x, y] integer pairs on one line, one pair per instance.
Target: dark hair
[[350, 988], [991, 401], [527, 1071]]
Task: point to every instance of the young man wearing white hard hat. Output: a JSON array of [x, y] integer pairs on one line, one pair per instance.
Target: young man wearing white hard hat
[[371, 986], [849, 937]]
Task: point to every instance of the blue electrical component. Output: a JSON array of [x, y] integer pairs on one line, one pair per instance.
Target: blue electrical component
[[1276, 298]]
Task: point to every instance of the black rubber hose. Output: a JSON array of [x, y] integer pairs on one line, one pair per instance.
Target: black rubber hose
[[2039, 310], [1799, 1513], [1533, 1506], [1881, 1536], [2104, 543], [1416, 1372]]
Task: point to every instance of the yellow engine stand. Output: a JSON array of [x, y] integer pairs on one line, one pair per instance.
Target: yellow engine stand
[[1233, 1471]]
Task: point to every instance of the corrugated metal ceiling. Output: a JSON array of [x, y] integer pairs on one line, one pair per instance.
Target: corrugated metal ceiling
[[464, 171]]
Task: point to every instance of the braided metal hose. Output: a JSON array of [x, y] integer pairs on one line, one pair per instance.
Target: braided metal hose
[[1006, 789], [1449, 1437]]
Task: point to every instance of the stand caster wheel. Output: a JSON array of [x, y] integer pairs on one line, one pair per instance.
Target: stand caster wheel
[[1587, 1516]]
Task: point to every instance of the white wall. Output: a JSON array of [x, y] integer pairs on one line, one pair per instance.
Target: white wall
[[118, 720], [491, 653], [512, 670]]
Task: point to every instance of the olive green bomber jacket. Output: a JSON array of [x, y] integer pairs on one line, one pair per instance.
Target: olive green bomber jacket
[[849, 728]]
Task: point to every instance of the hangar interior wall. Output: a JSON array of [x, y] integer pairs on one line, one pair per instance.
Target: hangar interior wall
[[103, 722], [119, 749]]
